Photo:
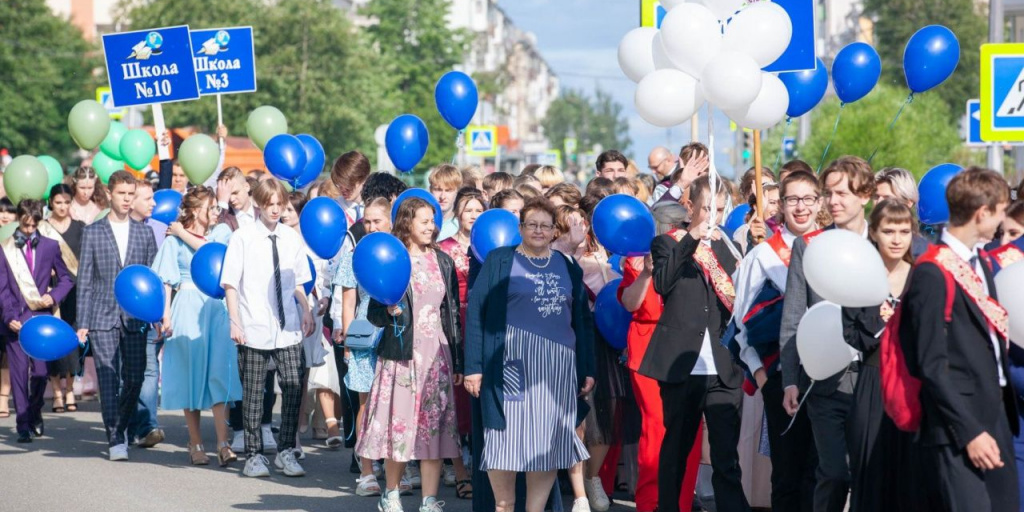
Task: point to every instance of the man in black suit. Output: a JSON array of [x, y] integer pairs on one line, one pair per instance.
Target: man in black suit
[[696, 373], [968, 405]]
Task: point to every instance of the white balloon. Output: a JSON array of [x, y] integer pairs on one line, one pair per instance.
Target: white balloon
[[635, 56], [1010, 289], [862, 281], [722, 9], [661, 60], [767, 109], [731, 80], [671, 4], [691, 36], [667, 97], [762, 30], [819, 341]]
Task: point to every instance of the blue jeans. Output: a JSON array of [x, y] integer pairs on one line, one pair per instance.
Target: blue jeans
[[145, 417]]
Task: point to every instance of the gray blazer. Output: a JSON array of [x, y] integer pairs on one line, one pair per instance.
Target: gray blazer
[[100, 262]]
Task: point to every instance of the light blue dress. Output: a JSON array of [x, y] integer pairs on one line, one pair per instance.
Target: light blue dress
[[361, 363], [200, 364]]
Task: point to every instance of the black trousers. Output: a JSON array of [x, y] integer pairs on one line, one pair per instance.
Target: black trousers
[[828, 415], [683, 404], [963, 487], [794, 457]]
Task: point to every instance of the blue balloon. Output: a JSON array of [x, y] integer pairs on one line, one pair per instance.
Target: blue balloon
[[168, 202], [930, 57], [624, 225], [140, 293], [492, 229], [206, 267], [406, 141], [855, 71], [315, 159], [611, 317], [932, 207], [806, 88], [285, 157], [616, 262], [382, 267], [424, 195], [323, 225], [47, 338], [456, 97], [308, 285], [737, 217]]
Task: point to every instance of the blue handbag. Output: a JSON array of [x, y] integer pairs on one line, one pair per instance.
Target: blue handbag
[[362, 335]]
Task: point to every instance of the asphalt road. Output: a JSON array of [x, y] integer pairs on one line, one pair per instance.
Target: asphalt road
[[67, 469]]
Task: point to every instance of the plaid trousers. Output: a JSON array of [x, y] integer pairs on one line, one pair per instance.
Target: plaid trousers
[[252, 364], [120, 357]]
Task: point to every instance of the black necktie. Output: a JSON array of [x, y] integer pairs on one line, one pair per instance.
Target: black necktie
[[277, 281]]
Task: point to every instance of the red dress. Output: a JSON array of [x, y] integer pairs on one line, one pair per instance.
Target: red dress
[[460, 254], [648, 398]]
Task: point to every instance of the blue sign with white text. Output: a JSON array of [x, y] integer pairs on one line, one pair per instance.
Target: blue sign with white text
[[225, 60], [150, 66], [799, 55]]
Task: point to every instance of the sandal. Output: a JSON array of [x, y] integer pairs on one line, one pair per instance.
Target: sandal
[[464, 489], [224, 455], [197, 455], [69, 402], [58, 403], [333, 442]]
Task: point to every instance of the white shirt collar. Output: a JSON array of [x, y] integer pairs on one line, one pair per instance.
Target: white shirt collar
[[264, 231], [251, 212], [961, 249]]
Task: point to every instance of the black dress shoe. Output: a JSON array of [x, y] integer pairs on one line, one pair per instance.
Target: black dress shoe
[[38, 429], [24, 437]]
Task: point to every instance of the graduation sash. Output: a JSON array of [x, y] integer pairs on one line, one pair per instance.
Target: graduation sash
[[778, 244], [70, 260], [969, 281], [716, 275], [22, 275], [812, 235], [1007, 255]]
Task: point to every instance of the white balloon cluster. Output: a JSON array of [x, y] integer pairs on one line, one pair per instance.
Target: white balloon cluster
[[698, 56]]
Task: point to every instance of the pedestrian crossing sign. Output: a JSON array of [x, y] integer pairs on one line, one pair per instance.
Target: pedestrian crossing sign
[[1002, 92], [482, 140], [105, 98]]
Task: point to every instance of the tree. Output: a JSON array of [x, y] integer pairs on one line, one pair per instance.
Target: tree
[[311, 63], [417, 47], [46, 68], [597, 120], [922, 137], [897, 20]]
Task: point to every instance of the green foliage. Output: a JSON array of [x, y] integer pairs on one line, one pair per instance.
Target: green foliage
[[417, 47], [922, 138], [311, 63], [597, 120], [44, 70], [897, 20]]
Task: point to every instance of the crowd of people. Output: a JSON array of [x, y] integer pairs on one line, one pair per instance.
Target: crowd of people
[[490, 376]]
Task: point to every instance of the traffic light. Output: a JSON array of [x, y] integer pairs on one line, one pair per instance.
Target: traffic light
[[748, 144]]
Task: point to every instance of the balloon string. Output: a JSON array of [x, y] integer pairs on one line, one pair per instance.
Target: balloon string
[[460, 143], [782, 147], [835, 128], [909, 100]]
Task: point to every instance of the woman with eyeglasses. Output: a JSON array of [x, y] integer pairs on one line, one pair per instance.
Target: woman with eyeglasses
[[529, 355]]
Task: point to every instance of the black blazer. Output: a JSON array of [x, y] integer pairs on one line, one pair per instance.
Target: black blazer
[[691, 307], [960, 393], [399, 348]]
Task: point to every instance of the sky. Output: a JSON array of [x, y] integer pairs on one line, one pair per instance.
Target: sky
[[579, 39]]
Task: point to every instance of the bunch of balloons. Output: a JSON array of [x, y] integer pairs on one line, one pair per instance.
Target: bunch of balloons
[[294, 159]]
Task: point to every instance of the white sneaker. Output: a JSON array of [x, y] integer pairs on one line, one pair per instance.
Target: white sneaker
[[238, 442], [595, 493], [367, 485], [285, 461], [378, 471], [256, 466], [390, 502], [119, 452], [448, 476], [269, 443], [432, 505], [413, 475], [581, 505]]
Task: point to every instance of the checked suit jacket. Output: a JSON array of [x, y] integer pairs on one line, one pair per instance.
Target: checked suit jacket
[[99, 265]]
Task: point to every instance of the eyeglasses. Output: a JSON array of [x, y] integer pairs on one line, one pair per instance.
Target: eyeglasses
[[807, 200], [533, 226]]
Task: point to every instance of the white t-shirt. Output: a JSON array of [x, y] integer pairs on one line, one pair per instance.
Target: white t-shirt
[[705, 364], [121, 230]]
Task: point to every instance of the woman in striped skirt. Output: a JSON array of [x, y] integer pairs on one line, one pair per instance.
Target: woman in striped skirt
[[529, 353]]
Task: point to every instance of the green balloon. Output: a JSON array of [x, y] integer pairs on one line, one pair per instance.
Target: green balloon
[[111, 144], [198, 157], [54, 173], [88, 124], [25, 178], [105, 166], [102, 214], [137, 149], [7, 231], [264, 123]]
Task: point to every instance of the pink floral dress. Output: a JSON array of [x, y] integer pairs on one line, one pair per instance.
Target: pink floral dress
[[411, 411]]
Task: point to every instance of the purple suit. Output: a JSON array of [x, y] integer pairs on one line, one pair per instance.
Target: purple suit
[[27, 387]]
